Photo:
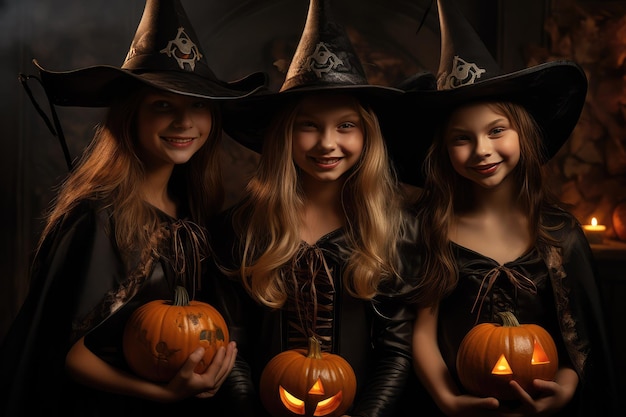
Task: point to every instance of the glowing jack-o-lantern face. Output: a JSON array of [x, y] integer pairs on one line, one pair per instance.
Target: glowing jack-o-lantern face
[[303, 382], [491, 355]]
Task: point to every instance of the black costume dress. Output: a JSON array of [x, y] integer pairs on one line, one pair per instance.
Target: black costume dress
[[80, 286], [554, 287], [373, 336]]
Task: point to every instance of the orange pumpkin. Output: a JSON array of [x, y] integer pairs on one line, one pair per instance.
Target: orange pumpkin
[[491, 355], [301, 382], [160, 336], [619, 220]]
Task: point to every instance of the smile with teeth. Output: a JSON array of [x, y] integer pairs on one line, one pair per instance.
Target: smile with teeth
[[326, 161], [177, 140]]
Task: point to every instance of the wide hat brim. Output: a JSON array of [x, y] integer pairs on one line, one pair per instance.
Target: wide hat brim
[[247, 120], [553, 93], [100, 85]]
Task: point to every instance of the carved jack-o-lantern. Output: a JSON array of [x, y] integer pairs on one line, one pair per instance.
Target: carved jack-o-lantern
[[298, 382], [160, 335], [491, 355]]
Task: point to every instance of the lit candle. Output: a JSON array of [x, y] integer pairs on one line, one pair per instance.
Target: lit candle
[[594, 231]]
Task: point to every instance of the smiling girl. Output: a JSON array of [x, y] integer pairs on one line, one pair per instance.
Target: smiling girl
[[494, 239], [124, 230], [316, 241]]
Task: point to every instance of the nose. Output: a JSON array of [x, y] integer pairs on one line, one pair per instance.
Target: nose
[[183, 119], [327, 139], [483, 146]]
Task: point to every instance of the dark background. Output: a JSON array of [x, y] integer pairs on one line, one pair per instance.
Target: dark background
[[238, 37]]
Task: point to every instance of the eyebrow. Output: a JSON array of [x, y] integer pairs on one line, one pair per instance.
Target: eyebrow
[[488, 125]]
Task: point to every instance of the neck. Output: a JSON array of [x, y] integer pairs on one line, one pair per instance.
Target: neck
[[323, 212], [501, 199], [155, 192]]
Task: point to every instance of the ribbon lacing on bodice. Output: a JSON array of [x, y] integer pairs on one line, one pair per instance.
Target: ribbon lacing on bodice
[[311, 301], [517, 279], [189, 249], [182, 244]]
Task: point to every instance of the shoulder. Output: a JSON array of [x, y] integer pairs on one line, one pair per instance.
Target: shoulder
[[85, 217], [554, 216]]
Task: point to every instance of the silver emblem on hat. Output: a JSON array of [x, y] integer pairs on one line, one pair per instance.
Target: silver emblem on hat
[[183, 49]]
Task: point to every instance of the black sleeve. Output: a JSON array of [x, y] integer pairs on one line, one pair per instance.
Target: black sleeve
[[238, 395], [392, 337], [597, 390], [63, 289]]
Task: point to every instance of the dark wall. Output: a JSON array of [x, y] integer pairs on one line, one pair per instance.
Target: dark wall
[[238, 37]]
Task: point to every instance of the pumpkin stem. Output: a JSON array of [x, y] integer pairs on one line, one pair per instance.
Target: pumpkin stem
[[181, 296], [315, 351], [508, 319]]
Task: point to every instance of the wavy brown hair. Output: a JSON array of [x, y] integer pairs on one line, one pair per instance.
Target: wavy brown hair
[[268, 220], [446, 193], [109, 172]]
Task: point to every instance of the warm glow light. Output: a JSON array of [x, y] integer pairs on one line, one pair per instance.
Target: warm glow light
[[502, 367], [539, 355], [329, 405], [317, 388], [291, 403], [594, 231]]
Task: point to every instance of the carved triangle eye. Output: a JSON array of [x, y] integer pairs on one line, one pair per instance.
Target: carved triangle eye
[[539, 355], [502, 367], [317, 388]]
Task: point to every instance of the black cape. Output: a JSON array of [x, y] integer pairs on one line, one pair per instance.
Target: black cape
[[77, 267], [568, 304], [374, 336]]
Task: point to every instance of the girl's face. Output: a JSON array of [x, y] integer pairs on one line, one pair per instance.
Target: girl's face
[[328, 137], [172, 127], [482, 144]]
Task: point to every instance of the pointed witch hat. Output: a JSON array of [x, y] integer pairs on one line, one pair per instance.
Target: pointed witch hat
[[553, 92], [324, 62], [165, 53]]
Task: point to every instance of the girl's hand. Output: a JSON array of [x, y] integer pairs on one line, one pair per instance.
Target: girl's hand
[[187, 383], [469, 406], [551, 397]]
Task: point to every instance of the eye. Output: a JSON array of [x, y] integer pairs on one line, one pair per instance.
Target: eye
[[457, 140], [161, 104], [347, 125], [202, 104], [497, 131], [305, 125]]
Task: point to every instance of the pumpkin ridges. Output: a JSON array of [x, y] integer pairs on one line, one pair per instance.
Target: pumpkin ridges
[[482, 346], [160, 336], [296, 371]]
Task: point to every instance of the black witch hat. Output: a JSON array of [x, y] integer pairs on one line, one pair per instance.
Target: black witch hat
[[553, 92], [324, 61], [165, 53]]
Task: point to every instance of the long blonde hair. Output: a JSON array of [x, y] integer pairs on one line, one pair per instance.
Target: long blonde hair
[[269, 222], [110, 172], [445, 193]]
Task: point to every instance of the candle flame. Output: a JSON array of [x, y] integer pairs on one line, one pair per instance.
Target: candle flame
[[594, 221]]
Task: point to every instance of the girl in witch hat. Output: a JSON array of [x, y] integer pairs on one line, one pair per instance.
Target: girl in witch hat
[[492, 237], [124, 230], [315, 241]]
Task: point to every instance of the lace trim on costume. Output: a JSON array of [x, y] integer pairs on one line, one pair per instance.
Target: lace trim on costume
[[181, 244], [311, 298], [519, 281], [578, 353]]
